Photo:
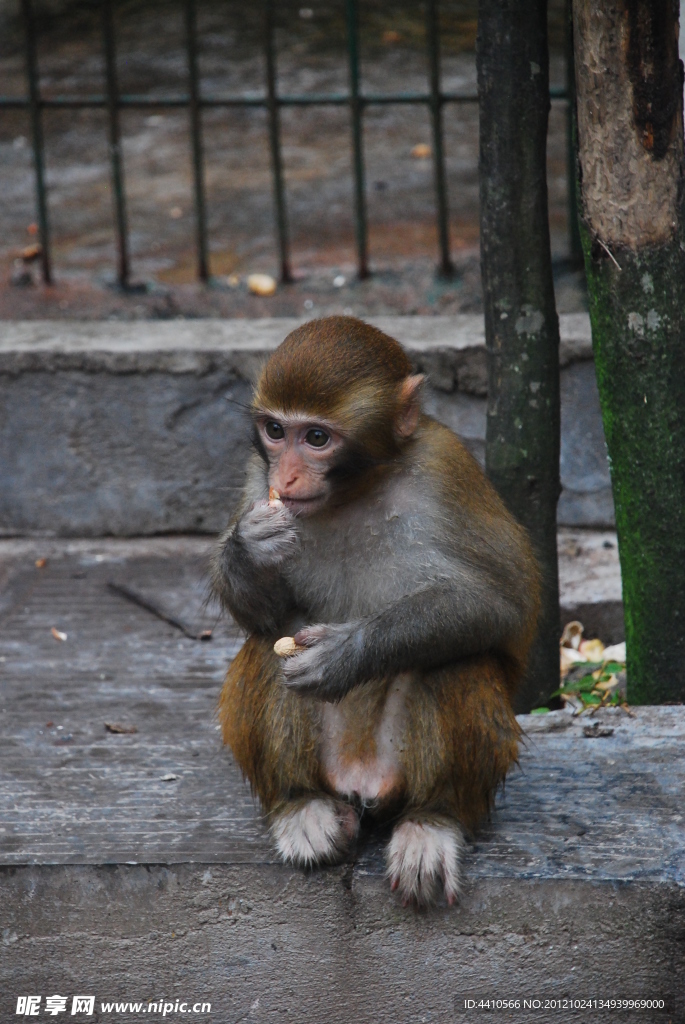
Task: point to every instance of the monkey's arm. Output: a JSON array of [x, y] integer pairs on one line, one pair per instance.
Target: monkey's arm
[[246, 573], [435, 626]]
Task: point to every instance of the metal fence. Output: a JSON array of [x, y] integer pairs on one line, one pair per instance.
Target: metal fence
[[195, 101]]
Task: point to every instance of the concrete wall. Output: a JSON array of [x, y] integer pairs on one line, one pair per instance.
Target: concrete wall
[[139, 428], [265, 944]]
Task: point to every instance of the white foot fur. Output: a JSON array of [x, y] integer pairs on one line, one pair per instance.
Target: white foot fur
[[421, 855], [316, 831]]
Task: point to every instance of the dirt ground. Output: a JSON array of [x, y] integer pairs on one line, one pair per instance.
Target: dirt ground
[[317, 156]]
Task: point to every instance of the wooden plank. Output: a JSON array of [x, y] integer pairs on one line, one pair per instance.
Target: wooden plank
[[73, 793]]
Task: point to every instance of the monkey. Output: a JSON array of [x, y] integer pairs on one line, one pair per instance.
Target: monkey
[[412, 595]]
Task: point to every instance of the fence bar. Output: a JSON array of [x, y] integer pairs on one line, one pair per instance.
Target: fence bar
[[115, 143], [309, 100], [433, 43], [34, 106], [272, 104], [196, 140], [356, 106]]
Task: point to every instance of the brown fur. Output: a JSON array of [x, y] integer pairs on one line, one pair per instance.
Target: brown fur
[[343, 370], [464, 739], [271, 731], [461, 736]]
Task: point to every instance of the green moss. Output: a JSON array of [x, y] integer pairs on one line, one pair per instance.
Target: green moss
[[638, 328]]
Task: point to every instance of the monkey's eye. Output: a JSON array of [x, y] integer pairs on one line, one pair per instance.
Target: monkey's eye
[[316, 437], [274, 430]]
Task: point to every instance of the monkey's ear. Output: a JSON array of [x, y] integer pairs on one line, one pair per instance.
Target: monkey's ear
[[409, 409]]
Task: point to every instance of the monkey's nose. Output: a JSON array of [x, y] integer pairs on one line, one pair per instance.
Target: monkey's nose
[[290, 476]]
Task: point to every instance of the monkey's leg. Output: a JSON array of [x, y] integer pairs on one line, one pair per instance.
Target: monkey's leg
[[274, 736], [464, 739]]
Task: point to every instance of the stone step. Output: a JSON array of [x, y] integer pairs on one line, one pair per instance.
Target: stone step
[[137, 428], [135, 865]]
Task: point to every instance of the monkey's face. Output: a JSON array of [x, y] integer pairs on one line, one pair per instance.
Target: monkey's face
[[301, 454]]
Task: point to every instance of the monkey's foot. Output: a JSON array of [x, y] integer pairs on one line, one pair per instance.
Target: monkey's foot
[[421, 854], [314, 831]]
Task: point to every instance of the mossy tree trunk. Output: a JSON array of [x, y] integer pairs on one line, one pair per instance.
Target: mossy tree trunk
[[521, 324], [630, 139]]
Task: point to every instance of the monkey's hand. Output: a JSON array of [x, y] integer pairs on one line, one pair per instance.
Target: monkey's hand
[[267, 532], [246, 568], [327, 667]]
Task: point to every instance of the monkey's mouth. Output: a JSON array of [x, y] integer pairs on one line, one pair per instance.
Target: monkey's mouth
[[303, 506]]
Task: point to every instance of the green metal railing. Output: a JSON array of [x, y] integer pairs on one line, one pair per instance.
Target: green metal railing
[[113, 102]]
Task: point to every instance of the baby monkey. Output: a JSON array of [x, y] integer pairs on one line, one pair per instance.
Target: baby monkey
[[412, 596]]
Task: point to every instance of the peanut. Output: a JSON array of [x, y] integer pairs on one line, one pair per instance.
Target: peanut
[[286, 647]]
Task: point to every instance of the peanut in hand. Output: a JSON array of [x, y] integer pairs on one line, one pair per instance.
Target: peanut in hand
[[286, 647]]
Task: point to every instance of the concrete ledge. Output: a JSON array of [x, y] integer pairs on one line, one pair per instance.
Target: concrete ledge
[[263, 943], [140, 428], [135, 866], [453, 346]]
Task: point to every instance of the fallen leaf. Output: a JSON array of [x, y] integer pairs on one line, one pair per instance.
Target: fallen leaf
[[585, 684], [421, 151], [568, 658], [41, 563], [593, 676], [31, 252], [572, 635], [391, 35], [118, 727], [579, 672], [592, 649], [607, 685], [617, 652], [261, 284], [58, 635], [32, 229]]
